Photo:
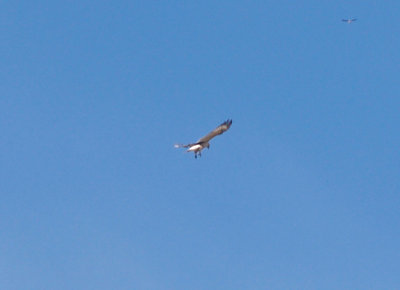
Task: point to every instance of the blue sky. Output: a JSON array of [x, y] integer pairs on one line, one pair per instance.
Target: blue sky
[[301, 193]]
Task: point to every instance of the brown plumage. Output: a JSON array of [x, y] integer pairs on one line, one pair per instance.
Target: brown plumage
[[203, 142]]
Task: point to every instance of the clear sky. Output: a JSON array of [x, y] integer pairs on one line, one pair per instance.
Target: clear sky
[[301, 193]]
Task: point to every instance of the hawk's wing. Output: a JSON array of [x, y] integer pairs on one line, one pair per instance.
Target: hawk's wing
[[354, 19], [345, 20], [217, 131]]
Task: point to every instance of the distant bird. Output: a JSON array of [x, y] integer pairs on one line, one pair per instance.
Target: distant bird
[[349, 20], [203, 142]]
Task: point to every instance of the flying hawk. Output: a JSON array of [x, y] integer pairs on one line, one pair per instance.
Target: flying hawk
[[349, 20], [203, 142]]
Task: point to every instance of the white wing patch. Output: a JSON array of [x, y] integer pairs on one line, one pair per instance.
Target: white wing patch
[[194, 147]]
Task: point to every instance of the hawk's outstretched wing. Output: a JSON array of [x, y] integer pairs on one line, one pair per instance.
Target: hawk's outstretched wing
[[217, 131]]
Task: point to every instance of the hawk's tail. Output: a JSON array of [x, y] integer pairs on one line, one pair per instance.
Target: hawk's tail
[[181, 146]]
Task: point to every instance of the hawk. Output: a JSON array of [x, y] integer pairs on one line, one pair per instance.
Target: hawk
[[349, 20], [204, 142]]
